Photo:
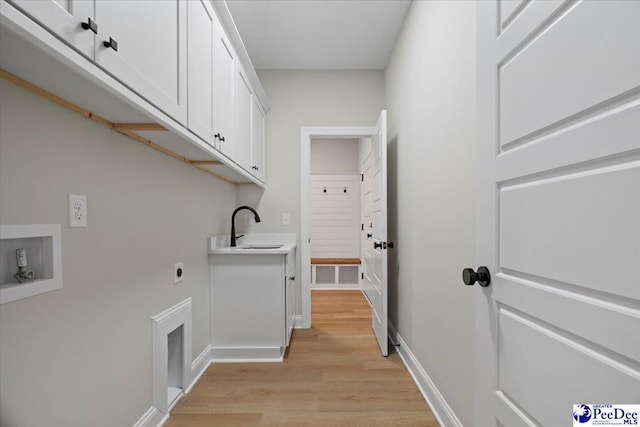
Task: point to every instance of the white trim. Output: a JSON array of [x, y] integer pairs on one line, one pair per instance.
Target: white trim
[[152, 417], [332, 287], [247, 354], [297, 322], [162, 325], [199, 365], [306, 133], [439, 406]]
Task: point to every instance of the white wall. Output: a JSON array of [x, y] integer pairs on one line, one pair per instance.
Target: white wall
[[305, 98], [334, 155], [82, 355], [430, 97]]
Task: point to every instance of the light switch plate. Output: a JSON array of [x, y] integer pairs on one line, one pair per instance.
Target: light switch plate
[[77, 210], [286, 219]]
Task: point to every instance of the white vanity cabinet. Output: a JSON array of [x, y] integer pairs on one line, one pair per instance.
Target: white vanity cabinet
[[251, 305]]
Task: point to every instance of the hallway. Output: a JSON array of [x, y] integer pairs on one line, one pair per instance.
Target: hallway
[[333, 375]]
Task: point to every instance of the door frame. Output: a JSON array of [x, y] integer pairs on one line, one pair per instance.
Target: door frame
[[306, 134]]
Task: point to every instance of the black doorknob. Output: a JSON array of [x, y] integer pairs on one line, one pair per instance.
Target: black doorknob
[[470, 277]]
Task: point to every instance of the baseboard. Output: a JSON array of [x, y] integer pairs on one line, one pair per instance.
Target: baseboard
[[354, 287], [199, 365], [246, 354], [297, 322], [152, 418], [439, 406]]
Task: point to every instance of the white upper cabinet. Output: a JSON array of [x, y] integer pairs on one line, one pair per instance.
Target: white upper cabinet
[[257, 140], [65, 19], [223, 86], [244, 101], [202, 30], [169, 61], [144, 45]]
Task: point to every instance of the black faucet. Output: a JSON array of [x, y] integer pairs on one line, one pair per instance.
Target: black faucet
[[233, 222]]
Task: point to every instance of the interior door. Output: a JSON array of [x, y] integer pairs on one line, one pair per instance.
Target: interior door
[[558, 209], [367, 229], [377, 268]]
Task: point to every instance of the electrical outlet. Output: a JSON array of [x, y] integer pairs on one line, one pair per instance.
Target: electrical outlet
[[178, 272], [77, 210], [286, 219]]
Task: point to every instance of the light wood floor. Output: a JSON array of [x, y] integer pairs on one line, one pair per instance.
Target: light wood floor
[[333, 375]]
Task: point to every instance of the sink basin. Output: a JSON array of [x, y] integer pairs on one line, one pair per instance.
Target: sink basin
[[260, 246]]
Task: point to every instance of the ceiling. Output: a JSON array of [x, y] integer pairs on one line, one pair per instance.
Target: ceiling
[[319, 34]]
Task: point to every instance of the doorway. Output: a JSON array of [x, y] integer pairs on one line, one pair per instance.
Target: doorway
[[307, 135], [336, 218], [376, 264]]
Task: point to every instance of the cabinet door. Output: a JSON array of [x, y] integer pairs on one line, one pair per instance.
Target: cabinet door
[[223, 86], [201, 33], [151, 55], [257, 140], [64, 18], [244, 102]]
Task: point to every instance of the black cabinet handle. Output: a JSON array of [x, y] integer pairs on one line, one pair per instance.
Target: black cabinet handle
[[369, 235], [254, 167], [219, 137], [377, 245], [111, 43], [390, 245], [90, 25], [470, 277]]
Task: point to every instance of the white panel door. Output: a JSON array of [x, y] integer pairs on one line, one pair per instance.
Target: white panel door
[[151, 55], [378, 261], [64, 18], [201, 28], [224, 71], [244, 107], [367, 234], [558, 209]]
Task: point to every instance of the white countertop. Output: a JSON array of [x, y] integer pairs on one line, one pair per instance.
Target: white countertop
[[219, 245]]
